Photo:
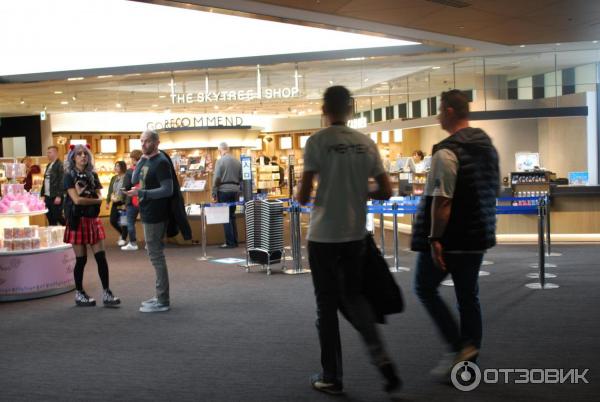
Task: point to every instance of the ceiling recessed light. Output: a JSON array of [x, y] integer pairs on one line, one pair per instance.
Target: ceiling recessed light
[[64, 103], [522, 46], [435, 67], [155, 105], [162, 96], [118, 105], [216, 107], [366, 79], [74, 78], [330, 82], [22, 102], [104, 76], [58, 92], [558, 44], [74, 98], [595, 41]]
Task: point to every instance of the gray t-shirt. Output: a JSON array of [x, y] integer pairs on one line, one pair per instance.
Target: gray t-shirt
[[229, 171], [441, 179], [344, 159], [441, 182]]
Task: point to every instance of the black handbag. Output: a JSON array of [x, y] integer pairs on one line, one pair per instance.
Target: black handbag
[[380, 287]]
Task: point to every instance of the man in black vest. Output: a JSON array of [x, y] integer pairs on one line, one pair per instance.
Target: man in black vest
[[455, 225]]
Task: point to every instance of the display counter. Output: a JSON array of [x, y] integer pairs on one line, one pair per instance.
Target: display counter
[[29, 274]]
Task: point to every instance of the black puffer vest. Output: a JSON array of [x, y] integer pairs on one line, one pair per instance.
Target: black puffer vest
[[472, 223]]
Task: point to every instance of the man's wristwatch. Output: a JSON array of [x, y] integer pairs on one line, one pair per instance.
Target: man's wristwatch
[[431, 239]]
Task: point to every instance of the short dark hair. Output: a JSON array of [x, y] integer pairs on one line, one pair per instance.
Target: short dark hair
[[458, 101], [122, 166], [53, 147], [420, 153], [337, 100], [136, 155]]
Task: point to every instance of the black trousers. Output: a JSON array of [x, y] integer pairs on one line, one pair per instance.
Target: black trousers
[[337, 271], [54, 214], [114, 221]]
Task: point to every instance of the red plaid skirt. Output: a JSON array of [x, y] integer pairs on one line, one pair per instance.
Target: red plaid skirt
[[89, 231]]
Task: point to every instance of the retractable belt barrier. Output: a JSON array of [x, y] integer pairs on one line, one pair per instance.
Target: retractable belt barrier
[[516, 206]]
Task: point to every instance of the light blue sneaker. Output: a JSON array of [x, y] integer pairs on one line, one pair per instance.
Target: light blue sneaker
[[150, 301], [155, 308]]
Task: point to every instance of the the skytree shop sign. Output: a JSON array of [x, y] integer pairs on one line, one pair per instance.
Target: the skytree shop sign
[[238, 95]]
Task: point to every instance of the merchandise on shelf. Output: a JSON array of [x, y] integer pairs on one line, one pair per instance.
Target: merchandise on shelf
[[31, 238], [16, 200], [15, 170]]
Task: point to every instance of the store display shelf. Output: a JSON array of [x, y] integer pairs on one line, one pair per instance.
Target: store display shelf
[[36, 250], [22, 214]]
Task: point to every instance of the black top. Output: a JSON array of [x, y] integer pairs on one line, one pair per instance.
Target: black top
[[151, 172], [86, 187]]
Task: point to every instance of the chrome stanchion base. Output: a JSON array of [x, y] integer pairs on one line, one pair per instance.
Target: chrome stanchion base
[[399, 269], [547, 265], [292, 271], [538, 286], [484, 273], [536, 275], [486, 262], [448, 282], [206, 258], [553, 254]]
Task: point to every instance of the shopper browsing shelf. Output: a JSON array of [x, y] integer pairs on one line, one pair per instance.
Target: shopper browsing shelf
[[82, 207], [343, 160], [31, 170], [115, 200], [154, 173], [132, 203], [226, 188]]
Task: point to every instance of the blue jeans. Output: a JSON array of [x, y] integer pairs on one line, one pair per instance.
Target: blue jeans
[[132, 213], [231, 227], [464, 269], [337, 271]]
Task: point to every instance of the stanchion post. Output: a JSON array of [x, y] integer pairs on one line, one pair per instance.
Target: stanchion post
[[541, 250], [296, 236], [203, 224], [396, 267]]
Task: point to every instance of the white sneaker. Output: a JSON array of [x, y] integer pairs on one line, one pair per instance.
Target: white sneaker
[[150, 301], [130, 247], [154, 308], [121, 242]]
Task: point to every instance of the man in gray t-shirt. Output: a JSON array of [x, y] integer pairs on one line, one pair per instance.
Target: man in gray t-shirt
[[342, 159], [226, 187]]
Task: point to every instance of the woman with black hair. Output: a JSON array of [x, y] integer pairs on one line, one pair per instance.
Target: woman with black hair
[[115, 200], [82, 207]]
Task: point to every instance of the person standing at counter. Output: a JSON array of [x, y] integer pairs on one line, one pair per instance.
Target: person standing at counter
[[226, 188], [31, 170], [153, 172], [52, 188], [416, 164], [132, 203], [82, 208], [275, 162], [115, 200], [454, 226], [343, 159]]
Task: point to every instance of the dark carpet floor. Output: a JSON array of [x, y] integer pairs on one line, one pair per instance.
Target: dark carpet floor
[[237, 336]]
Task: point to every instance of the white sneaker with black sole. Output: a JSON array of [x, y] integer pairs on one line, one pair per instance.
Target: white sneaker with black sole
[[121, 242]]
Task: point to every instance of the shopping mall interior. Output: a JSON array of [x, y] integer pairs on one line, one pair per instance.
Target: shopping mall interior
[[252, 74]]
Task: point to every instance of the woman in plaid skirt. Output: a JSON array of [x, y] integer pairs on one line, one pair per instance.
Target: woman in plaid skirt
[[82, 207]]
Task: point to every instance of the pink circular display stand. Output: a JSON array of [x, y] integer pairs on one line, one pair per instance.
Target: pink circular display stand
[[30, 274]]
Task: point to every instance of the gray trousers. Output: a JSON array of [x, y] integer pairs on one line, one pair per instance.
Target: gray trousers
[[154, 234]]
